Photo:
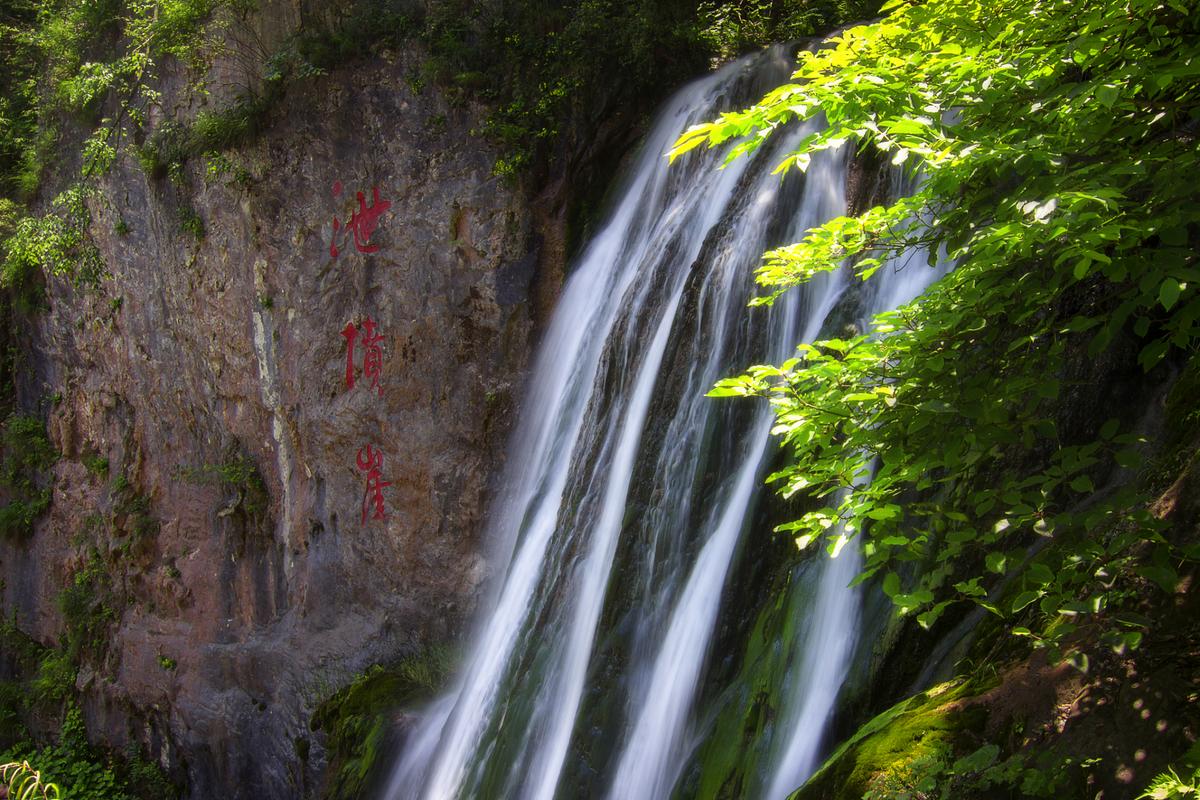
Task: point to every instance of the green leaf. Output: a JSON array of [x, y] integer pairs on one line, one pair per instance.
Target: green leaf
[[1107, 95], [1128, 458], [927, 619], [996, 562], [1168, 292], [803, 541], [1162, 575], [977, 761], [1024, 599], [1082, 483], [1040, 574], [971, 588], [890, 511]]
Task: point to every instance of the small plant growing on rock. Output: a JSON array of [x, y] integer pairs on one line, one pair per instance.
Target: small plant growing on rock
[[239, 474], [96, 464], [27, 457], [191, 222], [88, 605]]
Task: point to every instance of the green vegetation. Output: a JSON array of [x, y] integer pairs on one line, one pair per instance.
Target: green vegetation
[[732, 28], [70, 64], [90, 605], [97, 465], [131, 517], [54, 680], [356, 719], [85, 772], [927, 747], [897, 746], [44, 688], [27, 456], [1056, 160], [191, 222], [23, 781], [238, 475], [1169, 786], [968, 442], [56, 243], [939, 775]]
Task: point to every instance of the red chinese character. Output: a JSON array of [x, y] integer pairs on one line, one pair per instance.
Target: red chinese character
[[351, 333], [362, 222], [372, 353], [370, 461]]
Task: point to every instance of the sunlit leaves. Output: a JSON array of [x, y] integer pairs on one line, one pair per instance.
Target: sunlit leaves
[[1058, 173]]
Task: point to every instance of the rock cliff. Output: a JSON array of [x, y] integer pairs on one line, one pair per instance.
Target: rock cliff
[[215, 470]]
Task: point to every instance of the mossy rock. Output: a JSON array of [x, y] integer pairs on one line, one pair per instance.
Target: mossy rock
[[926, 725], [737, 747], [357, 719]]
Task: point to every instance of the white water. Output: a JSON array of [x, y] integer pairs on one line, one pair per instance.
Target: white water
[[628, 492]]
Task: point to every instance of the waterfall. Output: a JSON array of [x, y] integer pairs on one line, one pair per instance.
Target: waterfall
[[824, 650], [628, 493]]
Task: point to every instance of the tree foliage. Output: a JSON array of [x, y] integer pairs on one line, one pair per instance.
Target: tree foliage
[[731, 28], [1057, 147]]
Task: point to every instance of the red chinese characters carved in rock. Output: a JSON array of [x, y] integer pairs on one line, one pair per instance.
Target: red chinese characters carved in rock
[[372, 344], [370, 461], [362, 223]]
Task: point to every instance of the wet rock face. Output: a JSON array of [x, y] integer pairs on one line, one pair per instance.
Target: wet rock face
[[210, 372]]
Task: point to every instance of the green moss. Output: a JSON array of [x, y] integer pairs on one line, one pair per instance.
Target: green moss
[[355, 720], [732, 756], [919, 729]]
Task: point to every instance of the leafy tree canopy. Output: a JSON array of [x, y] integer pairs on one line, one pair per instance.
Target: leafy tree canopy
[[1057, 144]]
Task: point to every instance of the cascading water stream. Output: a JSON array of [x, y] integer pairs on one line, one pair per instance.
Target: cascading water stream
[[830, 634], [628, 492]]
